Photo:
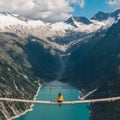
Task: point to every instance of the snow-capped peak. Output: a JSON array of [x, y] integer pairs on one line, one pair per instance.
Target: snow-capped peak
[[7, 19], [12, 22], [74, 29]]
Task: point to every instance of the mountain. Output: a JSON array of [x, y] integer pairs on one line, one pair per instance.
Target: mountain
[[89, 57], [16, 78], [71, 21], [116, 14], [82, 20], [111, 83], [50, 33], [101, 16], [23, 65], [95, 64]]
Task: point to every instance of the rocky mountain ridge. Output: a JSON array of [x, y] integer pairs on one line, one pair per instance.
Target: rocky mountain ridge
[[52, 35]]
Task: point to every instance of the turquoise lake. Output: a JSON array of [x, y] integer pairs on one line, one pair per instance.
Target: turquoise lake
[[56, 112]]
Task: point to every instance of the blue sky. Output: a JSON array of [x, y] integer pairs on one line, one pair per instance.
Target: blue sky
[[91, 8]]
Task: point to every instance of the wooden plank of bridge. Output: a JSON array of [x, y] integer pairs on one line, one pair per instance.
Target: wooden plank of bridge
[[65, 102]]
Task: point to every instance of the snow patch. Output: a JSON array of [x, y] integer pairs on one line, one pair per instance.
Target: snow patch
[[25, 76], [19, 25], [8, 69]]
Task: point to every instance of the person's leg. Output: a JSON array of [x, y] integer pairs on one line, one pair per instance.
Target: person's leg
[[59, 103]]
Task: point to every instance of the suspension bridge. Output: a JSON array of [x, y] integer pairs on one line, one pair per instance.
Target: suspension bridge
[[64, 102]]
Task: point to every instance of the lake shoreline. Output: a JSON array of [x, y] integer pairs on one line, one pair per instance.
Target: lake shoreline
[[31, 107], [51, 112]]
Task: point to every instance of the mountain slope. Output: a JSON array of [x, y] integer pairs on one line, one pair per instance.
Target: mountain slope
[[90, 60], [101, 16], [96, 65], [48, 33], [16, 79], [22, 64], [72, 21], [44, 64]]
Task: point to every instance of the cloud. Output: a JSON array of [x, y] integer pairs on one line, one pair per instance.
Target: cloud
[[81, 3], [114, 3], [47, 10]]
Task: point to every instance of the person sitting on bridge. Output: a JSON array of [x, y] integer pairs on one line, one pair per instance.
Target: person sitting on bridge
[[60, 98]]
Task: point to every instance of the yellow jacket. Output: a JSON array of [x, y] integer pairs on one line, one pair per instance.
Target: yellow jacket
[[60, 98]]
